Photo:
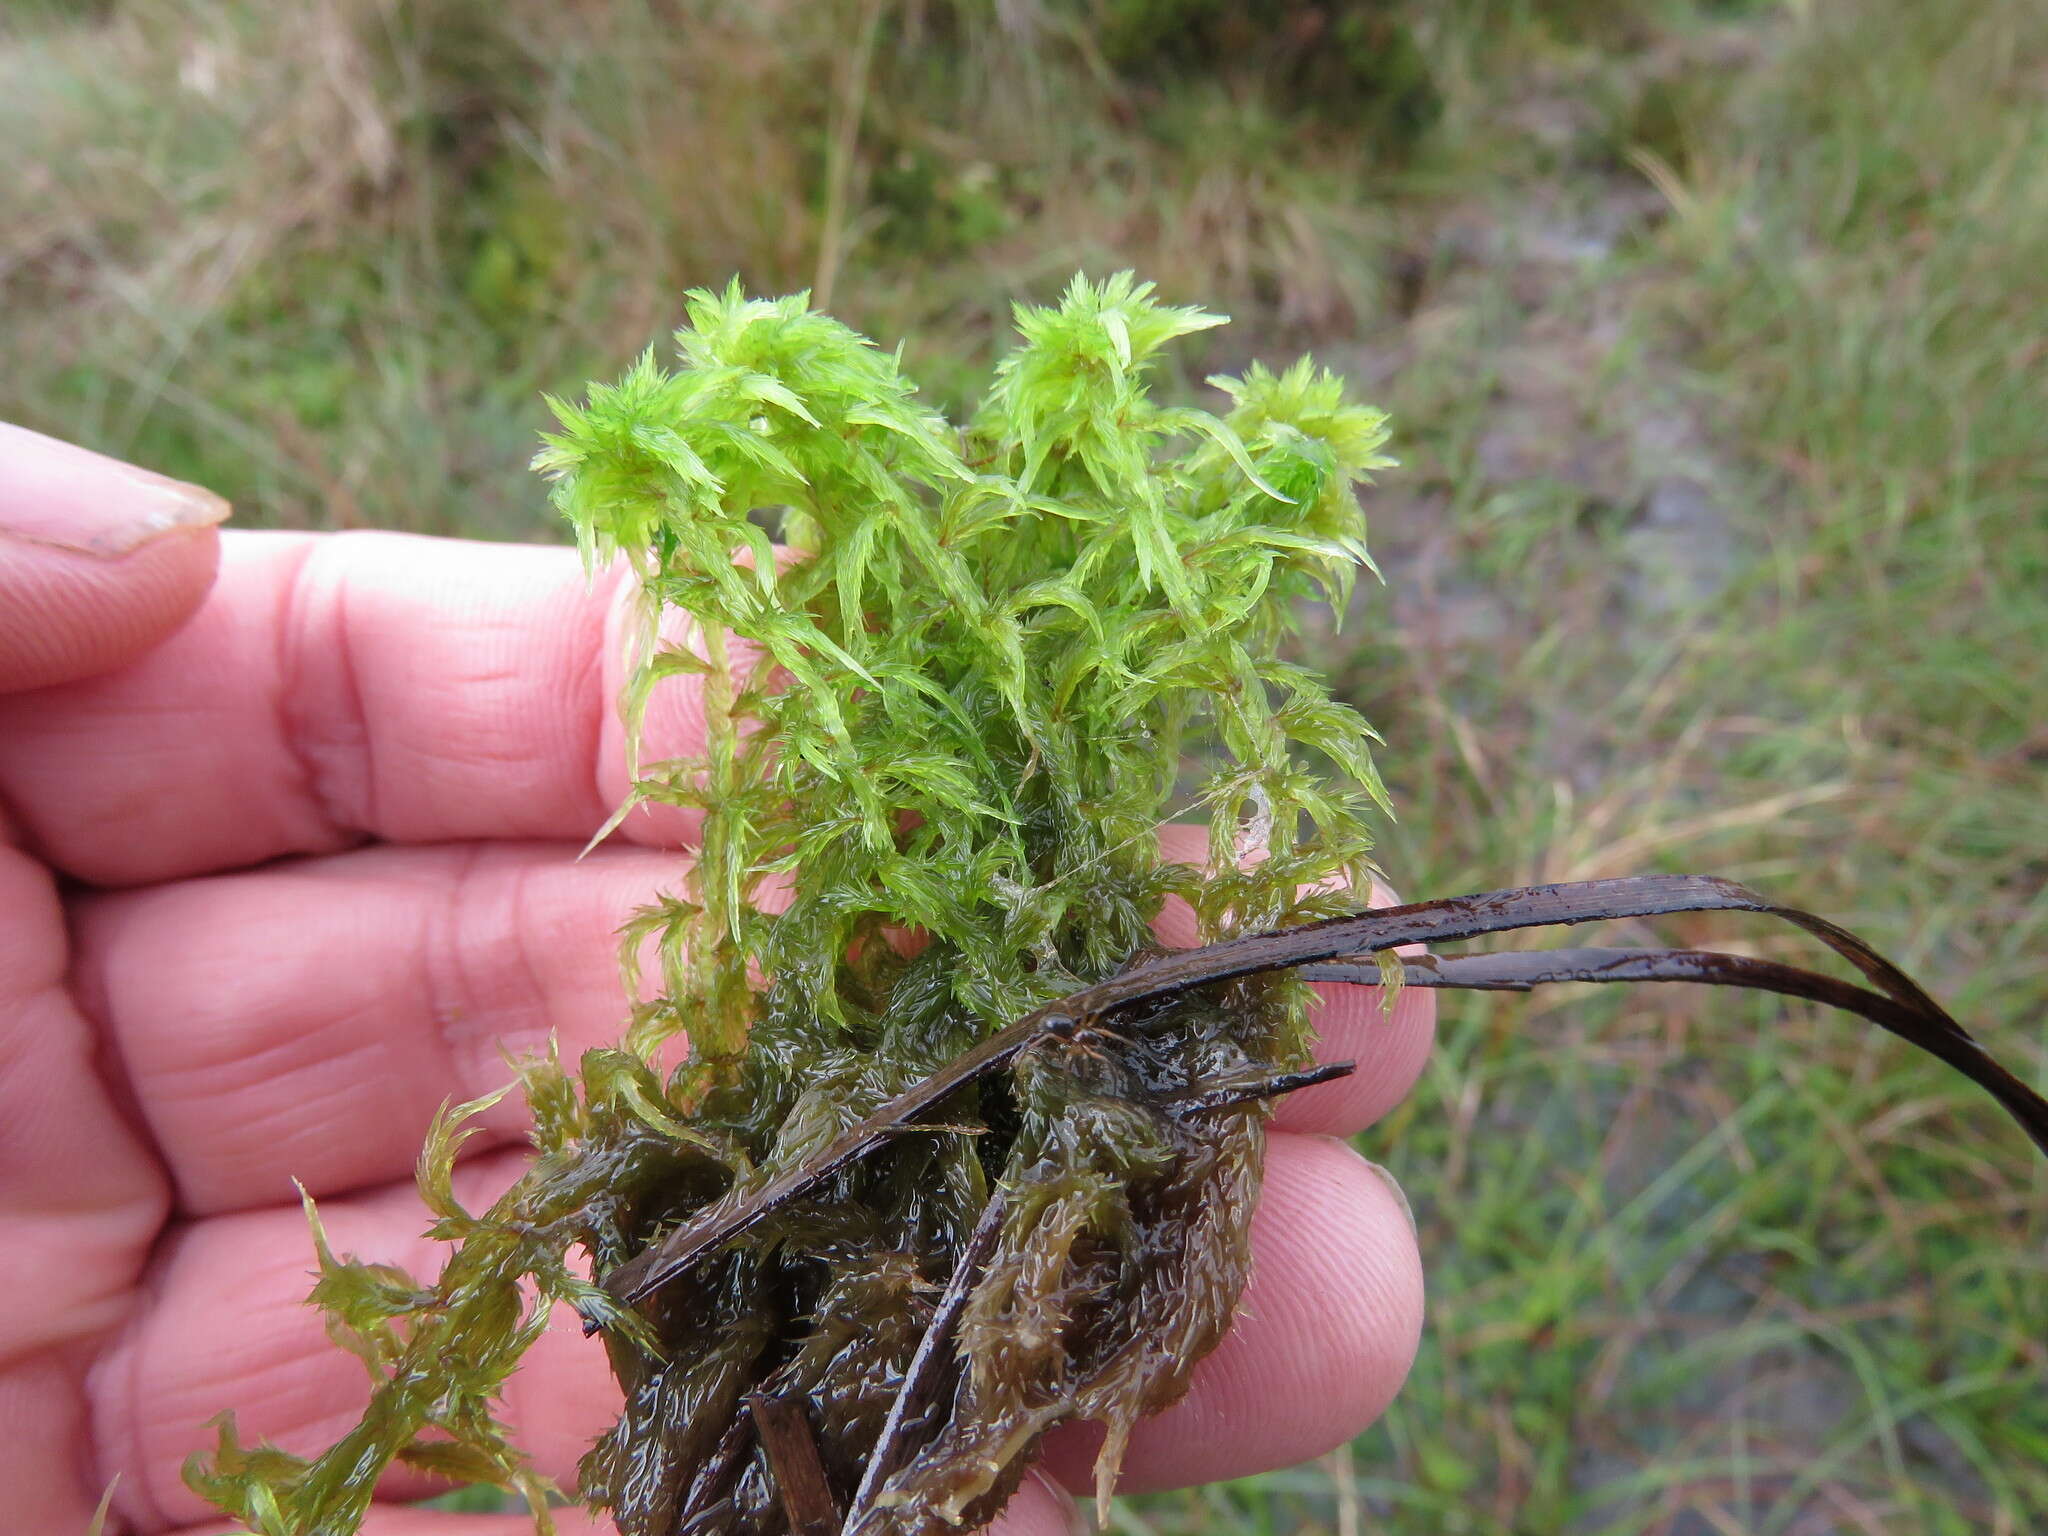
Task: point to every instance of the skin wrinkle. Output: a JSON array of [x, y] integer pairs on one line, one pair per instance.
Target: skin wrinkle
[[85, 987], [385, 640], [502, 707], [442, 990], [481, 696], [318, 1059], [521, 921], [86, 1304], [292, 1117], [301, 608], [477, 1057], [120, 1360], [506, 912], [262, 669], [218, 1064], [381, 914], [114, 1207], [95, 1055]]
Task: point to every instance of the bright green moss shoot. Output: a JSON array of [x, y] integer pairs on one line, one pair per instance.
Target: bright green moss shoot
[[1004, 656]]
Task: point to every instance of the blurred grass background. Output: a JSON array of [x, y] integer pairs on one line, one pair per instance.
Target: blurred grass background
[[1713, 334]]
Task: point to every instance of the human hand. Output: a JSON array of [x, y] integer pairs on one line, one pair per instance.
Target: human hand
[[277, 882]]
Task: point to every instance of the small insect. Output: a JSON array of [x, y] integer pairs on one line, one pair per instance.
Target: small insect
[[1082, 1036]]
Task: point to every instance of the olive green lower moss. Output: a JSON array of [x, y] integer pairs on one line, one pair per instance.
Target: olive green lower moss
[[1120, 1261]]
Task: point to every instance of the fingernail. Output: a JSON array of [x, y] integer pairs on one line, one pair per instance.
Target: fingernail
[[1400, 1195], [58, 494]]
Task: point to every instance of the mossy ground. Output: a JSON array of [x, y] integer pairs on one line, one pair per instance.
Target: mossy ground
[[1705, 329]]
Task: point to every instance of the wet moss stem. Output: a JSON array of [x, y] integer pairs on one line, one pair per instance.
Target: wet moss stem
[[720, 882]]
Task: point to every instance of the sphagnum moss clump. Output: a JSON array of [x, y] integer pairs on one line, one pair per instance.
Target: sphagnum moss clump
[[955, 1154], [1003, 657]]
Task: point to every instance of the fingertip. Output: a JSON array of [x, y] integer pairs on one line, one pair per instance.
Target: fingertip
[[1324, 1337], [67, 615], [1039, 1507], [1391, 1047], [99, 560]]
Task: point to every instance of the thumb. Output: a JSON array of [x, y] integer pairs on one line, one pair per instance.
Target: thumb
[[99, 560]]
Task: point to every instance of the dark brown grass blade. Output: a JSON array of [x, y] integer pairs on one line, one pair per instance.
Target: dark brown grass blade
[[1206, 1101], [924, 1378], [1911, 1013], [703, 1509], [1520, 970], [726, 1218], [785, 1430]]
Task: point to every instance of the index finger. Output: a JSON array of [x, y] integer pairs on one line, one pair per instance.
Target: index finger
[[343, 688]]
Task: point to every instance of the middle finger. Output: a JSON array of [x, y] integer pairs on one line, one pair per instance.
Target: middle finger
[[305, 1020]]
